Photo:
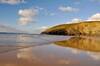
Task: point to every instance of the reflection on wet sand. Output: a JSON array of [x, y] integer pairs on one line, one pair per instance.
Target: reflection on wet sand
[[82, 43], [17, 42], [26, 50]]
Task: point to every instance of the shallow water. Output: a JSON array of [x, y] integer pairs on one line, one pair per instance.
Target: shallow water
[[47, 50]]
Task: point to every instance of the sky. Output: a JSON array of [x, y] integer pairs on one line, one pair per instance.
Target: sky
[[35, 15]]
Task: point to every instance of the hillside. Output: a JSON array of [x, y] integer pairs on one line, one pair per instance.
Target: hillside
[[82, 28]]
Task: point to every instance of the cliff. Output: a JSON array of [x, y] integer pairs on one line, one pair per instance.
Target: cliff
[[82, 28]]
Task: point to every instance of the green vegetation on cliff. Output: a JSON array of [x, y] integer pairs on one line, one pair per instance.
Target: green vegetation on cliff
[[82, 28]]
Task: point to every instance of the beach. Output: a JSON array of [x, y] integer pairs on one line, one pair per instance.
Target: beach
[[47, 50]]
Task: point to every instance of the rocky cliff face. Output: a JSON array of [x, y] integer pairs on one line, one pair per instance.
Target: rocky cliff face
[[82, 28]]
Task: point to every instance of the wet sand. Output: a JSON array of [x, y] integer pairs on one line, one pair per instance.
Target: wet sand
[[46, 50]]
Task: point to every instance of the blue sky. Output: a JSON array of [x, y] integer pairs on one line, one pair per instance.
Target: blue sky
[[31, 15]]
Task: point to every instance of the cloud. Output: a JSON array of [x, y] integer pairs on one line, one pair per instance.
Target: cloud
[[95, 17], [39, 29], [6, 28], [51, 14], [42, 28], [68, 9], [27, 12], [75, 20], [39, 8], [25, 20], [27, 16], [12, 2]]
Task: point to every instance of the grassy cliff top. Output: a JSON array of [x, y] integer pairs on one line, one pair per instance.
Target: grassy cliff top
[[85, 27]]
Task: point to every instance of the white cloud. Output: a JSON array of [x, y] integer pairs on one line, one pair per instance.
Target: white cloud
[[44, 27], [75, 20], [39, 8], [50, 14], [25, 20], [27, 16], [68, 9], [6, 28], [95, 17], [47, 12], [27, 12], [12, 2], [38, 30]]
